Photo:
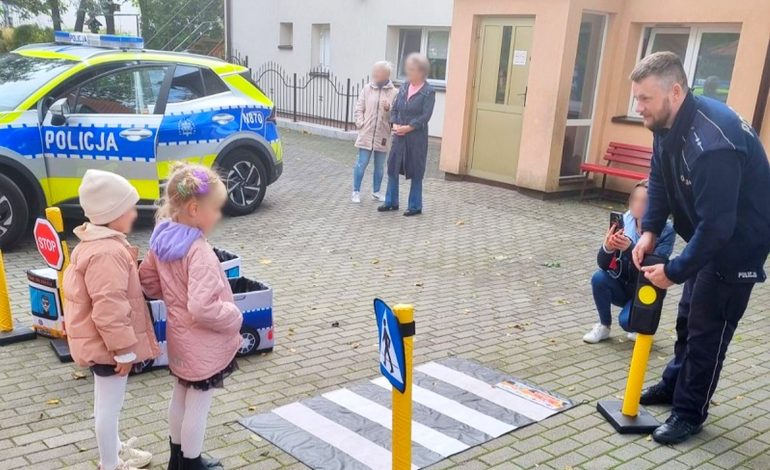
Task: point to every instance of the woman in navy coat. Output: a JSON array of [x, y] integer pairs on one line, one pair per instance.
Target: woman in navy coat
[[410, 114]]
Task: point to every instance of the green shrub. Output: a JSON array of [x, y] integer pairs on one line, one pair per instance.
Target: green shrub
[[29, 34]]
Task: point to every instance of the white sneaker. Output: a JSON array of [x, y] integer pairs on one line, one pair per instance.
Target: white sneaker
[[379, 196], [133, 457], [121, 466], [356, 197], [631, 336], [598, 333]]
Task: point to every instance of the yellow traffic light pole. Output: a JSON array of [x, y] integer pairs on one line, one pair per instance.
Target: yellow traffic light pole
[[402, 402], [627, 417]]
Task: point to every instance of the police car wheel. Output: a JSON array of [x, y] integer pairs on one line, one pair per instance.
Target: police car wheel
[[250, 342], [246, 181], [14, 213]]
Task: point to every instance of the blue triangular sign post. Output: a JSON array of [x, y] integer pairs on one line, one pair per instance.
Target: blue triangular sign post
[[391, 345]]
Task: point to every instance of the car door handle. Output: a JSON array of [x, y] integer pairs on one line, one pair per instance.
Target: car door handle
[[135, 134], [223, 118]]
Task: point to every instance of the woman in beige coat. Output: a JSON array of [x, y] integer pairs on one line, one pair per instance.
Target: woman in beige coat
[[372, 117]]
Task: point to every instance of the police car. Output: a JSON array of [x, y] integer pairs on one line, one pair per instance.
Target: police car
[[103, 101]]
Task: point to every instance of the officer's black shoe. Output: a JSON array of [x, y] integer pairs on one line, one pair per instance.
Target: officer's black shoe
[[412, 212], [675, 431], [658, 394], [384, 208]]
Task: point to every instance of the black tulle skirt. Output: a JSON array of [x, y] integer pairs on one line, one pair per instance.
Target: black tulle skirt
[[215, 381]]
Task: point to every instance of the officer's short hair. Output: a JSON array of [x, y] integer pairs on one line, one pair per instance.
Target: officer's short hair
[[665, 65]]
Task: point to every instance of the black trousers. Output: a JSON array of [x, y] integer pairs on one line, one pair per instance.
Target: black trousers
[[709, 312]]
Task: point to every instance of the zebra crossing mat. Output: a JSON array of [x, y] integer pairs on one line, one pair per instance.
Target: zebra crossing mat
[[457, 404]]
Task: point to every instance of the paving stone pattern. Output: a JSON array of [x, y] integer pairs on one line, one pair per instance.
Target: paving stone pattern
[[495, 276]]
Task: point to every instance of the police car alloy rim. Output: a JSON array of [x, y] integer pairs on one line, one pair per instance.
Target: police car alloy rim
[[243, 183], [248, 343], [6, 215]]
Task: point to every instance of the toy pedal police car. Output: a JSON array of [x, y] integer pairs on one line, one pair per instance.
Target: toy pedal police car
[[101, 101]]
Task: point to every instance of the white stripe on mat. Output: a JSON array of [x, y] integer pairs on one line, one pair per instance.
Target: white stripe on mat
[[362, 450], [455, 410], [373, 411], [486, 391]]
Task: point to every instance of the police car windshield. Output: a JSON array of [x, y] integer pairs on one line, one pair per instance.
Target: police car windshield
[[21, 76]]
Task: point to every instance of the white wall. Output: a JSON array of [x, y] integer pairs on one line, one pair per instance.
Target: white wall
[[359, 33]]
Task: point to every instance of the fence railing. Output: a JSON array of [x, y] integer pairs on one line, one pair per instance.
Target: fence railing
[[317, 96]]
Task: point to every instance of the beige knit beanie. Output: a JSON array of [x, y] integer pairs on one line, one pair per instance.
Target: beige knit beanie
[[106, 196]]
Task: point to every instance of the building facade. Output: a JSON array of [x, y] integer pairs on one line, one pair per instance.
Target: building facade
[[537, 87], [344, 37]]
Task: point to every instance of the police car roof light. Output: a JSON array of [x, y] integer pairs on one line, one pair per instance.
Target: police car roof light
[[99, 40]]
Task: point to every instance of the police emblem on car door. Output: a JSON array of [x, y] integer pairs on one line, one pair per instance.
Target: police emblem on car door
[[110, 123]]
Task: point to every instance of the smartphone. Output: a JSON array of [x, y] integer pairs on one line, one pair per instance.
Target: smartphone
[[616, 219]]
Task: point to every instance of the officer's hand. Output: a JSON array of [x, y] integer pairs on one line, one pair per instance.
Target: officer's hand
[[645, 245], [656, 274], [123, 368]]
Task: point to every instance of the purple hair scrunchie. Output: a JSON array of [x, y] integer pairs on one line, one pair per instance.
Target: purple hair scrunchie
[[203, 179]]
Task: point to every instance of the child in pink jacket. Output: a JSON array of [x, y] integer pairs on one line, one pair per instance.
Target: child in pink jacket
[[203, 325], [108, 324]]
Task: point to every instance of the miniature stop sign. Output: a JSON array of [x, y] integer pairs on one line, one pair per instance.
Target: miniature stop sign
[[49, 244]]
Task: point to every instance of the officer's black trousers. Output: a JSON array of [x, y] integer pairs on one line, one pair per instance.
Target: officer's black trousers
[[709, 312]]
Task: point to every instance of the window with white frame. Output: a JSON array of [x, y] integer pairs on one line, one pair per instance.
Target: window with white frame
[[707, 53], [433, 42]]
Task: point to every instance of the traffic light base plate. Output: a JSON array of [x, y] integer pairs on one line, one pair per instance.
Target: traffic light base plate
[[17, 335], [643, 423], [61, 349]]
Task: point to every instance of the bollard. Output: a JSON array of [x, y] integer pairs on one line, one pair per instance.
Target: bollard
[[8, 334], [402, 402], [627, 417]]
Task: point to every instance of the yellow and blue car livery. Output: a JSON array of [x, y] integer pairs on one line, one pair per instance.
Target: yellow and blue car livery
[[100, 101]]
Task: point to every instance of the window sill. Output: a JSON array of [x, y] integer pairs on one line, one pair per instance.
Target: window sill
[[285, 47], [634, 121]]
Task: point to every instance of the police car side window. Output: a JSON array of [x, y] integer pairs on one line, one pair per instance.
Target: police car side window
[[214, 84], [186, 85], [190, 83], [127, 91]]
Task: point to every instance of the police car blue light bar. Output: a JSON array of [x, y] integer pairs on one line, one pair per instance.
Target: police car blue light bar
[[99, 40]]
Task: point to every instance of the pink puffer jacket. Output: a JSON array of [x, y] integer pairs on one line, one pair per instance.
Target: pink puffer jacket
[[203, 324], [104, 306]]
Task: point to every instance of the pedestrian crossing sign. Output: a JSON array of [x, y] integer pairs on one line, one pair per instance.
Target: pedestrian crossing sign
[[391, 343]]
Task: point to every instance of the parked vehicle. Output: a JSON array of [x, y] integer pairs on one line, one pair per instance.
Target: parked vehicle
[[102, 101]]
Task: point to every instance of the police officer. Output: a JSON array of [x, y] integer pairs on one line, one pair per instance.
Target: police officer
[[710, 172]]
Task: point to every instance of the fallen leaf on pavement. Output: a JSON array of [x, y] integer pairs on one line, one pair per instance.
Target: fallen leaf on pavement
[[265, 261], [264, 453], [552, 264], [562, 302], [355, 345], [256, 438], [53, 401], [335, 324], [649, 438], [78, 375], [418, 284], [375, 261], [460, 222], [252, 408]]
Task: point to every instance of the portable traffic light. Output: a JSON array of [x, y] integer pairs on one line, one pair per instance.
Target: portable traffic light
[[626, 416]]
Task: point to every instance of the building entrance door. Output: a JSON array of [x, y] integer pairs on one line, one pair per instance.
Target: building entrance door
[[500, 95]]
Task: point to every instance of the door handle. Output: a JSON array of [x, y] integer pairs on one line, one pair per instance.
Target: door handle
[[223, 118], [526, 89], [135, 134]]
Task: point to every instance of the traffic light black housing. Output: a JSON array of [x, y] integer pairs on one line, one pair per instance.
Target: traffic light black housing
[[648, 301]]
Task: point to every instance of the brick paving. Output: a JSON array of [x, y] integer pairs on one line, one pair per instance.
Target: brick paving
[[495, 276]]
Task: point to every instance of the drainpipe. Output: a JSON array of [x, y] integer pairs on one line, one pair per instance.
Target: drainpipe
[[228, 30], [764, 93]]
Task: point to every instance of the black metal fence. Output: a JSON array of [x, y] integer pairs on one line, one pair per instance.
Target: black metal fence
[[317, 96]]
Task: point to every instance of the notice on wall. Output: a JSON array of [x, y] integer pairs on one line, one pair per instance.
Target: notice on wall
[[519, 57]]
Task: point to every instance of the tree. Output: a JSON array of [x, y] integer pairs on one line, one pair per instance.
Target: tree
[[178, 24], [30, 8]]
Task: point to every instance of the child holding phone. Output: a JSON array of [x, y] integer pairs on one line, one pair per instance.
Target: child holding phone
[[615, 280]]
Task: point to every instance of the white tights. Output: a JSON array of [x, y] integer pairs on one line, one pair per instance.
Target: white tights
[[108, 400], [187, 414]]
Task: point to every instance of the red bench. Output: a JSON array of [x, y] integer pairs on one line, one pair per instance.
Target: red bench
[[624, 154]]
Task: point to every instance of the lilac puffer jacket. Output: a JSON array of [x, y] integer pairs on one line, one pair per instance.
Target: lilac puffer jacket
[[203, 325]]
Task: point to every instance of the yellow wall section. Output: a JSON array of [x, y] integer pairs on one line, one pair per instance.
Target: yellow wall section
[[58, 190]]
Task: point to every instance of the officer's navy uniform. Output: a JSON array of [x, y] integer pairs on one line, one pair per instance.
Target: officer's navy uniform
[[711, 173]]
